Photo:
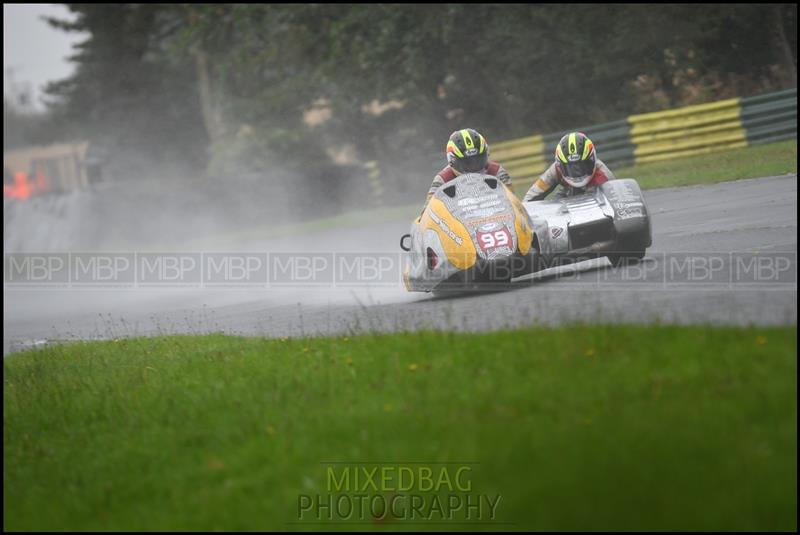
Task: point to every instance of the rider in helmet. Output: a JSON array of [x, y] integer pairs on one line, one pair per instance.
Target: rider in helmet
[[467, 152], [576, 169]]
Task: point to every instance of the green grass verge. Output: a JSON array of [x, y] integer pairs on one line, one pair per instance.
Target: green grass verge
[[584, 427], [759, 160]]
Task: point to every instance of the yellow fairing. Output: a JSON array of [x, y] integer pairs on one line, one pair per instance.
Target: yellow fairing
[[524, 231], [462, 255]]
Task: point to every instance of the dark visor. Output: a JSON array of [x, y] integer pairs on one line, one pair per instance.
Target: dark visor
[[472, 164], [578, 169]]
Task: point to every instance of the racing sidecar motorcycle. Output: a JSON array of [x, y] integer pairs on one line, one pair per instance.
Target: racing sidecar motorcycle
[[474, 230]]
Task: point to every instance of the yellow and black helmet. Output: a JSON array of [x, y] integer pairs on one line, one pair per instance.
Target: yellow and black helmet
[[467, 151], [576, 159]]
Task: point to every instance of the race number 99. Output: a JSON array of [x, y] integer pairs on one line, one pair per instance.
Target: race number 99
[[493, 240]]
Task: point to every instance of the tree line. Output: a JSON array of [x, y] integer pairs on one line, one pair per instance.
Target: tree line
[[231, 89]]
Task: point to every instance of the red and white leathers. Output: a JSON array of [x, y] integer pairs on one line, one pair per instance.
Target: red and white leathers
[[552, 177], [448, 173]]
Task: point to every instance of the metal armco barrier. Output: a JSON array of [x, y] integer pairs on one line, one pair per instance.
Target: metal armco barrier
[[770, 117], [664, 135]]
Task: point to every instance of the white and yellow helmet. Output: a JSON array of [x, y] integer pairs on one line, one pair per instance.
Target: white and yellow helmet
[[576, 159]]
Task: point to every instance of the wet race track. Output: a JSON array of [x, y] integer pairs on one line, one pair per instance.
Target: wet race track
[[721, 254]]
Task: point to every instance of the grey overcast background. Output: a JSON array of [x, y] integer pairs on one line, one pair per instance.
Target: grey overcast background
[[33, 52]]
